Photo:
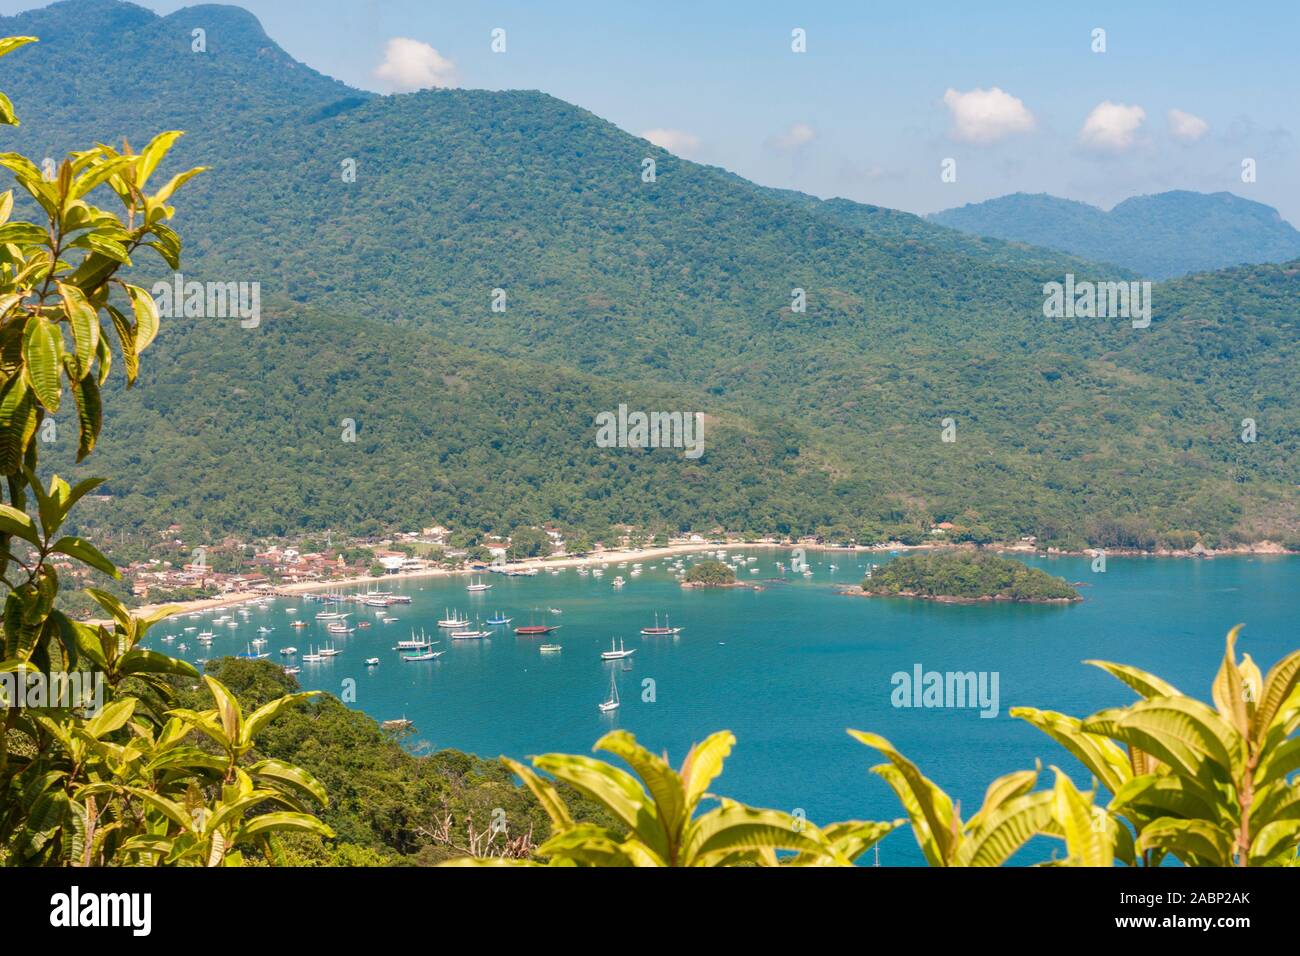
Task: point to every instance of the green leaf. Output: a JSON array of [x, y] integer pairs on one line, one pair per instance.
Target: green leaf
[[43, 361], [153, 154], [269, 822], [9, 44], [85, 326], [139, 660], [703, 764], [17, 423], [126, 337], [1148, 685], [1195, 842], [267, 712], [279, 772], [927, 799], [15, 522], [735, 826], [90, 414], [146, 317], [659, 778], [546, 795], [112, 717], [1006, 830], [86, 553]]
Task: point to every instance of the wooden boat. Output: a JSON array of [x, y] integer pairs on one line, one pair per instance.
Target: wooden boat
[[616, 655], [535, 628], [468, 635], [657, 631]]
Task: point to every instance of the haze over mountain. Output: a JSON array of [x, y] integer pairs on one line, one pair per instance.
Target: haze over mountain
[[676, 294], [1169, 234]]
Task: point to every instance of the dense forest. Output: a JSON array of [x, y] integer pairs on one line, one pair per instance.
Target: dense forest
[[395, 799], [674, 295], [967, 575], [1169, 234]]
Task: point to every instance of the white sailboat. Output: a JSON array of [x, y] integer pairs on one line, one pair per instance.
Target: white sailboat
[[453, 619], [613, 702], [615, 655]]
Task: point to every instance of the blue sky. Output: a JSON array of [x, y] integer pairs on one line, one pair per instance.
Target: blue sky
[[885, 92]]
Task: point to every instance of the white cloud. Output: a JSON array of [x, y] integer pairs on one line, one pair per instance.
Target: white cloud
[[986, 116], [675, 141], [798, 135], [1110, 127], [1187, 127], [411, 65]]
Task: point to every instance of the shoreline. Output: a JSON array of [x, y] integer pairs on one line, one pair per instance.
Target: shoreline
[[666, 551]]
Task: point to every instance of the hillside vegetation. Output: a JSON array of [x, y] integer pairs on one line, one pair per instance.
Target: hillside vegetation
[[674, 295], [967, 576]]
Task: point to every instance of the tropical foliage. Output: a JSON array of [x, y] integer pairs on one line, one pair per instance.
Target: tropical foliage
[[1210, 785], [966, 575], [710, 574], [96, 766], [1206, 786], [659, 818]]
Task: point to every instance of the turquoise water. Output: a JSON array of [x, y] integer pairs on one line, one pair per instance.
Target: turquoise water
[[787, 669]]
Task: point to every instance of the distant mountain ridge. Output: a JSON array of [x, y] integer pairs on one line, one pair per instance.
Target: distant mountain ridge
[[672, 295], [1159, 236]]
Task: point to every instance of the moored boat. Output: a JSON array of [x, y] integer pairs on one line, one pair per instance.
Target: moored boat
[[615, 655]]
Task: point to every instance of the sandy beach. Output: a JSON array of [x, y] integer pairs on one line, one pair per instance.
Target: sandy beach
[[650, 554]]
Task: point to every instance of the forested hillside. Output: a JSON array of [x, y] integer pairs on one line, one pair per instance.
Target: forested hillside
[[670, 295]]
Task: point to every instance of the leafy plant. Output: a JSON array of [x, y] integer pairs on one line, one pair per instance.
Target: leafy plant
[[1012, 813], [661, 825], [1211, 786], [84, 784]]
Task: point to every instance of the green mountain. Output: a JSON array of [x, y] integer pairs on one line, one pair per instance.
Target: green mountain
[[1168, 234], [671, 295]]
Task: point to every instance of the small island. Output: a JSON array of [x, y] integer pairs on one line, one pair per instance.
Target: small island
[[710, 574], [966, 577]]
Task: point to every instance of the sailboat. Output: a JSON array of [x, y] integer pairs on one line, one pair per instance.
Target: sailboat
[[468, 635], [616, 655], [477, 586], [414, 643], [250, 654], [535, 628], [499, 618], [422, 656], [658, 631], [613, 703], [453, 619]]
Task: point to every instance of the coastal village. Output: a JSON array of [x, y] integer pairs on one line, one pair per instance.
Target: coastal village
[[176, 570]]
